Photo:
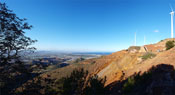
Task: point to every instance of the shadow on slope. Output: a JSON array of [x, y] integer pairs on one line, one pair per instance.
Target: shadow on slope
[[159, 80]]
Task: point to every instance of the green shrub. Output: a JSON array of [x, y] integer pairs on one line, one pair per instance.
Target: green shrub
[[95, 86], [127, 87], [150, 82], [79, 83], [148, 55], [136, 83], [93, 62], [169, 45], [79, 60]]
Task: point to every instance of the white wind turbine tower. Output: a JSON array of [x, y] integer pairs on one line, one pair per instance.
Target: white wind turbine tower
[[172, 14]]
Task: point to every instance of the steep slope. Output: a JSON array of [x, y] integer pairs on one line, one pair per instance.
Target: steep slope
[[157, 47], [119, 65], [166, 57], [92, 65], [111, 66], [131, 63], [114, 71]]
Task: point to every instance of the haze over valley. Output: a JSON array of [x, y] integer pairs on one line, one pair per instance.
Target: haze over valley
[[87, 47]]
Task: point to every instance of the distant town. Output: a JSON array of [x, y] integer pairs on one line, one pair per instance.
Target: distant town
[[43, 61]]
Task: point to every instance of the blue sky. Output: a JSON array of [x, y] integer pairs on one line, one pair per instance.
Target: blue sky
[[94, 25]]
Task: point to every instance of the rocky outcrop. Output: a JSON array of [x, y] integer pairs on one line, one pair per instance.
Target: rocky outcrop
[[121, 65]]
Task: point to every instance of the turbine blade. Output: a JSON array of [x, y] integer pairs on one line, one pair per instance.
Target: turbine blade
[[171, 7]]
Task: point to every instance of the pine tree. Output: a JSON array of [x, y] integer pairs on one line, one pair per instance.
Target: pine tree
[[12, 35]]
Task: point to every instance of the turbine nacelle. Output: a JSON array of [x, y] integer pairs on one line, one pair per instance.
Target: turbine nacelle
[[172, 13]]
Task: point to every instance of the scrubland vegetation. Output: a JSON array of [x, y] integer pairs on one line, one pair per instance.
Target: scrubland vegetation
[[18, 79], [169, 45], [148, 55]]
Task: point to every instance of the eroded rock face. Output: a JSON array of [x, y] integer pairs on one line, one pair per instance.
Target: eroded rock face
[[116, 68], [129, 62], [123, 64], [134, 49], [158, 47]]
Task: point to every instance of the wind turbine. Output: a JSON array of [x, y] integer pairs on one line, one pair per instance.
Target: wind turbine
[[172, 14]]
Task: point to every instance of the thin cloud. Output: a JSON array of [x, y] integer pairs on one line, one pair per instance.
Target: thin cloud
[[156, 31]]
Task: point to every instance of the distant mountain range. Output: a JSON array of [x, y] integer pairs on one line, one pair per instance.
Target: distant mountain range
[[62, 52]]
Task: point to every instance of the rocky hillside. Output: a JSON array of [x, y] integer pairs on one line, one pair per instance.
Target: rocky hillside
[[123, 64], [138, 70]]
